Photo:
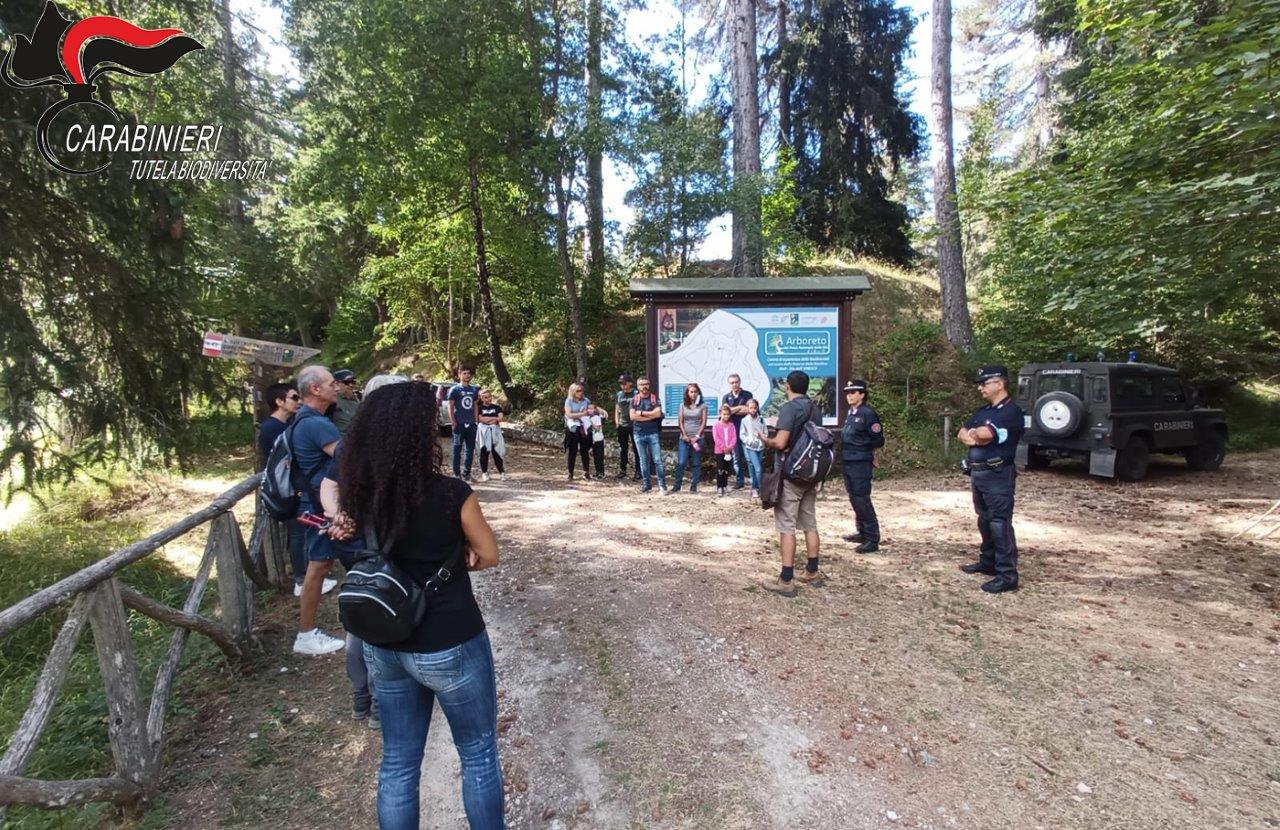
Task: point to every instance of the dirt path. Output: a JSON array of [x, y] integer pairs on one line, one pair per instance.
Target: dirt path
[[646, 681]]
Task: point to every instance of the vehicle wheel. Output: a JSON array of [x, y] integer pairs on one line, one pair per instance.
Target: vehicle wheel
[[1036, 461], [1133, 460], [1059, 414], [1208, 454]]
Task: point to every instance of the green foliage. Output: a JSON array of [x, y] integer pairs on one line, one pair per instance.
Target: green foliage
[[851, 124], [1152, 226], [786, 249], [682, 184]]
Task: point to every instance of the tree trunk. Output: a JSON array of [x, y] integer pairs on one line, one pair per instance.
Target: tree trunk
[[747, 243], [235, 202], [570, 281], [955, 305], [593, 290], [784, 77], [482, 280]]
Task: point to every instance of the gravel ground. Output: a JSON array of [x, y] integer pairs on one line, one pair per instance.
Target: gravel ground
[[646, 681]]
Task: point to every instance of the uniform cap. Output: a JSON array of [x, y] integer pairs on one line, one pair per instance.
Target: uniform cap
[[343, 375], [856, 385], [624, 378], [986, 373]]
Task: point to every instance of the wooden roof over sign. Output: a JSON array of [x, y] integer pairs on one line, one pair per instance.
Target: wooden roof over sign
[[843, 286]]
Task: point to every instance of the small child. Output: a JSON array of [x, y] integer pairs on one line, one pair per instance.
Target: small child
[[490, 436], [726, 438]]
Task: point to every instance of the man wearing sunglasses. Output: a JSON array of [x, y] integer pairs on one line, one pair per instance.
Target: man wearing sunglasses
[[344, 411], [992, 436], [284, 401]]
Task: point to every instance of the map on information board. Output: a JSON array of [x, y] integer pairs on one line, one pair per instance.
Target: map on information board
[[704, 345]]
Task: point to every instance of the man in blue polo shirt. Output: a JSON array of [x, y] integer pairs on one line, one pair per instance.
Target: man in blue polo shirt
[[735, 400], [314, 439], [462, 416], [992, 436]]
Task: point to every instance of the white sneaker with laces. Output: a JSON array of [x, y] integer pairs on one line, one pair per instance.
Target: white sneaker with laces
[[316, 641], [328, 585], [484, 476], [297, 589], [502, 476]]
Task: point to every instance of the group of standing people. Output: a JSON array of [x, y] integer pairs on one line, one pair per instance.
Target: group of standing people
[[736, 437]]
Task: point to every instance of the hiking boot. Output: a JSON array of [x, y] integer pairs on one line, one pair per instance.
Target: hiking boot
[[815, 578], [867, 547], [360, 711], [739, 486], [775, 585], [316, 642], [375, 717], [852, 538], [621, 474], [978, 568]]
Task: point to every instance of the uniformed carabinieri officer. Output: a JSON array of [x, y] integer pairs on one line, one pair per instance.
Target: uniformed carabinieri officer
[[992, 436], [863, 434]]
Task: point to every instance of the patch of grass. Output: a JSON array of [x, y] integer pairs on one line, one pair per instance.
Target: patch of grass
[[50, 544], [1253, 415]]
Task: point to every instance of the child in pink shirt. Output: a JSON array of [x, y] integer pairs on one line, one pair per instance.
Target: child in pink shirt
[[726, 438]]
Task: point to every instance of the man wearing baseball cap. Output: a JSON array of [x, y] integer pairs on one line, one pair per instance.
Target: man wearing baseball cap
[[622, 420], [992, 436], [863, 434], [344, 411]]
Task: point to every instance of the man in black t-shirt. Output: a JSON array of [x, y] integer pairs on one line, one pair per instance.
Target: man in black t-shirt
[[736, 400], [797, 507]]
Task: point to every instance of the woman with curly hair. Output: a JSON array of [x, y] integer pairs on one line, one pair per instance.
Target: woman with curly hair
[[390, 482]]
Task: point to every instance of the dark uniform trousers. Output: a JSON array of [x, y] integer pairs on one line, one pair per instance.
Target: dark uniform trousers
[[627, 446], [993, 502], [857, 482]]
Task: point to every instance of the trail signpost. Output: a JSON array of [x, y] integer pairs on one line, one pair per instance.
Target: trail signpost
[[255, 351], [268, 361]]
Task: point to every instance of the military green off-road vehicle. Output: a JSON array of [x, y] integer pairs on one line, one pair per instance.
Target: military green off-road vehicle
[[1115, 415]]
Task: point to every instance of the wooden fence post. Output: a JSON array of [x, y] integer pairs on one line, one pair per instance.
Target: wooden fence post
[[235, 595], [126, 726], [275, 547]]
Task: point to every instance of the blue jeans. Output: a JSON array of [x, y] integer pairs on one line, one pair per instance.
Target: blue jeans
[[755, 463], [650, 450], [461, 679], [739, 463], [684, 454], [463, 435]]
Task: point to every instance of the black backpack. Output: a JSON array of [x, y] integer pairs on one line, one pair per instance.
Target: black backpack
[[812, 453], [380, 602], [279, 490]]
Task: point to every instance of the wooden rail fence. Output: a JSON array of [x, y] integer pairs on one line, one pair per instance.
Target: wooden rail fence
[[135, 728]]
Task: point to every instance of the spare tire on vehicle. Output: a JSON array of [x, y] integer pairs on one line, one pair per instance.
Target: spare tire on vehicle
[[1059, 414]]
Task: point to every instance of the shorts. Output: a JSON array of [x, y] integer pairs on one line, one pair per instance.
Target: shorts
[[321, 548], [797, 509]]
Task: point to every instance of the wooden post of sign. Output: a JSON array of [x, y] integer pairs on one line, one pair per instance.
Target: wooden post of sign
[[126, 724], [946, 435], [235, 595]]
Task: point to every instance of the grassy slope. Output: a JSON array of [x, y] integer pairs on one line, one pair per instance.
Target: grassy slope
[[75, 526]]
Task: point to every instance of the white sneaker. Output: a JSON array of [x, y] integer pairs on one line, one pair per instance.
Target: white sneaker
[[502, 476], [328, 585], [484, 476], [316, 641], [665, 491], [297, 589], [755, 494]]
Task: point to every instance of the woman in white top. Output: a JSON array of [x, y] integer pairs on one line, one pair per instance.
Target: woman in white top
[[578, 412]]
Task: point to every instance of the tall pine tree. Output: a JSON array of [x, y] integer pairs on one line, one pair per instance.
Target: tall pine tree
[[850, 125]]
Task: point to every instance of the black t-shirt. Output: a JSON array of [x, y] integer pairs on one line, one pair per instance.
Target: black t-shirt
[[792, 416], [490, 410], [268, 431], [433, 535]]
